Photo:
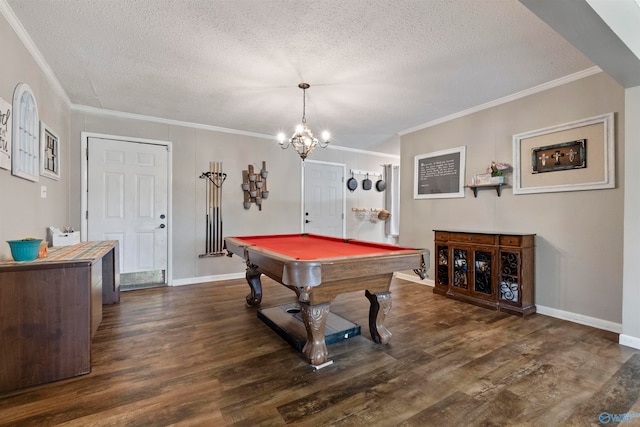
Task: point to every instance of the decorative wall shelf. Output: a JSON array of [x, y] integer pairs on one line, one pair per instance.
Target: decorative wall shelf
[[498, 188]]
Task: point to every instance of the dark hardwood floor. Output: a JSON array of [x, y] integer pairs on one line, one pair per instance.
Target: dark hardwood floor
[[197, 355]]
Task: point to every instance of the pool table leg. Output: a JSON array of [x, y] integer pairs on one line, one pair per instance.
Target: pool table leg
[[379, 333], [253, 279], [315, 320]]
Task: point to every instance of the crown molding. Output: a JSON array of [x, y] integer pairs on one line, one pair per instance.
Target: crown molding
[[24, 37], [132, 116], [527, 92]]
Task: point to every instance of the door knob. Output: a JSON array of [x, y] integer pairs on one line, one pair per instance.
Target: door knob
[[306, 221], [161, 226]]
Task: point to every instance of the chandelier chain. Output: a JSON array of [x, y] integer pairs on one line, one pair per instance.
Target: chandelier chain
[[304, 106]]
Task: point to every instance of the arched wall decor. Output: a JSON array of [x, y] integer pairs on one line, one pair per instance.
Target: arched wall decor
[[26, 133]]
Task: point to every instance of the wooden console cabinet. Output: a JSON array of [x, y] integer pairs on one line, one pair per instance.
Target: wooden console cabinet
[[490, 270], [50, 308]]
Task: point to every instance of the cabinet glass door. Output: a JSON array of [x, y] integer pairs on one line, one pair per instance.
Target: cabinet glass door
[[460, 269], [443, 265], [509, 279], [482, 272]]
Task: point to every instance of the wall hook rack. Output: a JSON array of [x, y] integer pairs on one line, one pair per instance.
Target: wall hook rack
[[213, 205]]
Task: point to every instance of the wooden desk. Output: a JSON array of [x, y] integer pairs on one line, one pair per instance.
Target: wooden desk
[[49, 310]]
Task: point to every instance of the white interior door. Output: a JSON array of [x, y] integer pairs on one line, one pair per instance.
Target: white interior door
[[127, 201], [324, 200]]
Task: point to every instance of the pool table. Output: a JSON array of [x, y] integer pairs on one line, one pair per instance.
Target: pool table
[[318, 268]]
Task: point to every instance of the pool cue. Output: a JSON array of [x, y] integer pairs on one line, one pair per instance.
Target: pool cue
[[214, 188], [221, 177], [217, 207], [211, 207], [206, 209]]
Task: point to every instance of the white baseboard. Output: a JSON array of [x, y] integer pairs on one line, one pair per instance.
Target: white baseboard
[[629, 341], [580, 318], [204, 279], [414, 278]]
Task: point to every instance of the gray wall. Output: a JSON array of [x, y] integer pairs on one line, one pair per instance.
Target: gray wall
[[579, 244], [22, 212], [192, 150]]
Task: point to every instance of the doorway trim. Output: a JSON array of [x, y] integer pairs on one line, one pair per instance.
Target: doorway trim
[[344, 195], [84, 181]]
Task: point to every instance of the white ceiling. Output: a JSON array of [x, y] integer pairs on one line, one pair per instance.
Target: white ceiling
[[376, 67]]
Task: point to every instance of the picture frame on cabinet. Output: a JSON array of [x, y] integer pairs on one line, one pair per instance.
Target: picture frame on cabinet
[[597, 173], [49, 152], [439, 174]]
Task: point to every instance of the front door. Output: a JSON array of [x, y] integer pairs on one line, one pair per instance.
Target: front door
[[323, 198], [127, 201]]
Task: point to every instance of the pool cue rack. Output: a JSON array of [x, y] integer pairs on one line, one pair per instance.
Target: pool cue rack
[[254, 186], [214, 179]]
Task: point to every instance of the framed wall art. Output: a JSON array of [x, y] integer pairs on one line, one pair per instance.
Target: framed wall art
[[439, 174], [5, 134], [49, 152], [573, 156]]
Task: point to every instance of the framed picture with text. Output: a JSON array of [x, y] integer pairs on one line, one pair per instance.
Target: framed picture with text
[[439, 174]]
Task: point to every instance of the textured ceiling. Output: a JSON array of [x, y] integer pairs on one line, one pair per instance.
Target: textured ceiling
[[376, 67]]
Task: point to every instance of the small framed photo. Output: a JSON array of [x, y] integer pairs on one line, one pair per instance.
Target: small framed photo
[[482, 179], [49, 152]]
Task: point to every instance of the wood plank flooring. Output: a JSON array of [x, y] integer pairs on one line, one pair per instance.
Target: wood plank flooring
[[197, 355]]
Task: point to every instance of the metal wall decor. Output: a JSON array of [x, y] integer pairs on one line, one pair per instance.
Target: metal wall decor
[[213, 202], [254, 186], [567, 155]]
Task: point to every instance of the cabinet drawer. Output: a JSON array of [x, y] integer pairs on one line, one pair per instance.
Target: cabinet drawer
[[442, 236], [511, 240], [482, 239]]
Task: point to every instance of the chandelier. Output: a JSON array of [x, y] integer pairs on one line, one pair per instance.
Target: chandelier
[[302, 139]]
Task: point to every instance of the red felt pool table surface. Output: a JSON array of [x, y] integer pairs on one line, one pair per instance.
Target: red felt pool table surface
[[308, 247]]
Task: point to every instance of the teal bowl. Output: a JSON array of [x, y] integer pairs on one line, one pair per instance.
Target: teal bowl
[[24, 250]]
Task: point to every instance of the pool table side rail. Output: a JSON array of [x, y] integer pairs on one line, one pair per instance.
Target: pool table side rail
[[294, 272]]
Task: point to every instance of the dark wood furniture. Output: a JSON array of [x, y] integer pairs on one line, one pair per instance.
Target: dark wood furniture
[[49, 310], [494, 270], [317, 269]]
